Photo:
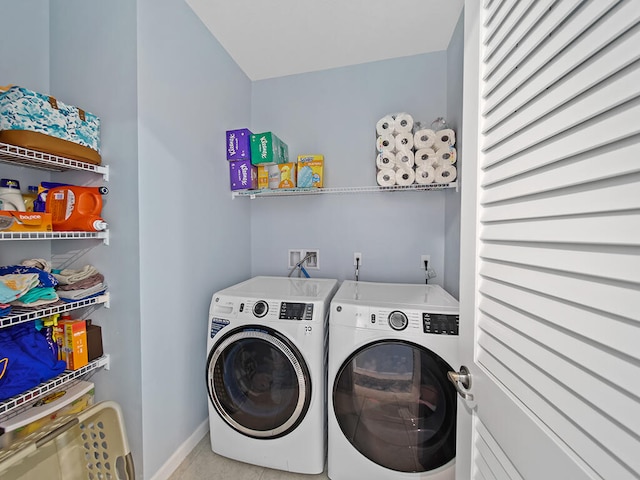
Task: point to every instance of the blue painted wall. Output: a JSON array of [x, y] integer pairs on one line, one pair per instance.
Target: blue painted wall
[[334, 112], [453, 198], [194, 238]]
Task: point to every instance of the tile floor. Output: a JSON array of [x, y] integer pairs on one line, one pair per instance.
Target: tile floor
[[202, 463]]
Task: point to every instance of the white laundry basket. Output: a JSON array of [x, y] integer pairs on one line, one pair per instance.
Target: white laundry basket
[[90, 445]]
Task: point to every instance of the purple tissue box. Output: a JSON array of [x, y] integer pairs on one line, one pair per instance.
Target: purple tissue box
[[243, 175], [239, 144]]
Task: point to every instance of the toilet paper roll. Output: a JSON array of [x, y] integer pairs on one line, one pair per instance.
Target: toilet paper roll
[[386, 159], [386, 177], [385, 142], [405, 176], [385, 125], [445, 174], [425, 157], [446, 156], [445, 137], [425, 175], [404, 141], [404, 159], [403, 123], [424, 138]]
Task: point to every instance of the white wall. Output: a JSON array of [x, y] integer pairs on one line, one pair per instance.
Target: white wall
[[334, 113], [194, 238]]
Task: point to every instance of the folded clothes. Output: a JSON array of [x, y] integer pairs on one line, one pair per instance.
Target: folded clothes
[[46, 279], [34, 306], [86, 283], [71, 300], [80, 294], [36, 303], [40, 263], [68, 275], [13, 286], [36, 297], [5, 310], [39, 293]]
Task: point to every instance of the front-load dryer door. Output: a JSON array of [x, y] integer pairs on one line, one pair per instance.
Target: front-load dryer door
[[258, 382], [394, 404]]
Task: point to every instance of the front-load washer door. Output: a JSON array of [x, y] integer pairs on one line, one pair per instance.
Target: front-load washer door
[[394, 404], [258, 382]]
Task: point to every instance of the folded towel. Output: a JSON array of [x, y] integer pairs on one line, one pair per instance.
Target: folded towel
[[40, 263], [80, 294], [82, 284], [36, 294], [71, 300], [68, 275], [13, 286]]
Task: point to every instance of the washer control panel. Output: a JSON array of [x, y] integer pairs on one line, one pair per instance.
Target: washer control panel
[[440, 323], [296, 311]]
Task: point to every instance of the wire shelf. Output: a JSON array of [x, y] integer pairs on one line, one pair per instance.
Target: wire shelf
[[104, 235], [287, 192], [45, 161], [22, 314], [46, 387]]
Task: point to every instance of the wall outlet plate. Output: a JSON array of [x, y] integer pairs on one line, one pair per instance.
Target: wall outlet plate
[[357, 259]]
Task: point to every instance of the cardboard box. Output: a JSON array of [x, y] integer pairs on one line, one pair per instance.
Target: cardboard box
[[268, 149], [243, 175], [239, 144], [263, 176], [277, 176], [13, 221], [74, 343], [310, 171], [285, 175], [94, 341]]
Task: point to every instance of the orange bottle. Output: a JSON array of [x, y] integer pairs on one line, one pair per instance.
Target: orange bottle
[[74, 208]]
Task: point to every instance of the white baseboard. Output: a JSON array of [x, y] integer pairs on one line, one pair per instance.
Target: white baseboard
[[181, 453]]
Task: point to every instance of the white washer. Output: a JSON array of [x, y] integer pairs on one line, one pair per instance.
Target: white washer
[[391, 408], [266, 372]]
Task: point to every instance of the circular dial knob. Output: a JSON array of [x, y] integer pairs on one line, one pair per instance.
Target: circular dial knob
[[260, 308], [398, 320]]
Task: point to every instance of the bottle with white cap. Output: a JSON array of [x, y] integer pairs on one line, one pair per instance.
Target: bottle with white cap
[[10, 196]]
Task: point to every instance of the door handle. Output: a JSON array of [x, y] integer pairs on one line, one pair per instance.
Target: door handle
[[463, 377]]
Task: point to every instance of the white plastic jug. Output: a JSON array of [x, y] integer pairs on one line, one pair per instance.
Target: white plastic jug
[[10, 196]]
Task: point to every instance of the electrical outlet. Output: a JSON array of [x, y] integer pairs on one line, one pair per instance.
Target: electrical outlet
[[314, 258], [357, 259], [424, 258]]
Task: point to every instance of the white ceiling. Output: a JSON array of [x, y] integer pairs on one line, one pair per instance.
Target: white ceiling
[[273, 38]]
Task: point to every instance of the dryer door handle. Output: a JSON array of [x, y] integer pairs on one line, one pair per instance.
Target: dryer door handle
[[462, 381]]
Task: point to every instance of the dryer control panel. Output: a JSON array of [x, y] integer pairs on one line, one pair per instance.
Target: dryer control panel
[[440, 324]]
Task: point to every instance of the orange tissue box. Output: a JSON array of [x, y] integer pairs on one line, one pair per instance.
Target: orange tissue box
[[14, 221]]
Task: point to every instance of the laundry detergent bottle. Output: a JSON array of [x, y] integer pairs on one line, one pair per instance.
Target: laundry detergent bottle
[[75, 208], [10, 196]]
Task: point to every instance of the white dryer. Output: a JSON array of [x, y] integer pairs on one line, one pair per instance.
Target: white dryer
[[266, 372], [391, 408]]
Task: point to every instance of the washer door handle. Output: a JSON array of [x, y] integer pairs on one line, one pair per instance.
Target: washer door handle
[[462, 381]]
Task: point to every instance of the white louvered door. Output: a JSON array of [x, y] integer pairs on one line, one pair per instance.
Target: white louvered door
[[550, 248]]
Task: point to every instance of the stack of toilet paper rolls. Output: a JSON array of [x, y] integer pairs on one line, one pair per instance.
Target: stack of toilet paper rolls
[[409, 153]]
